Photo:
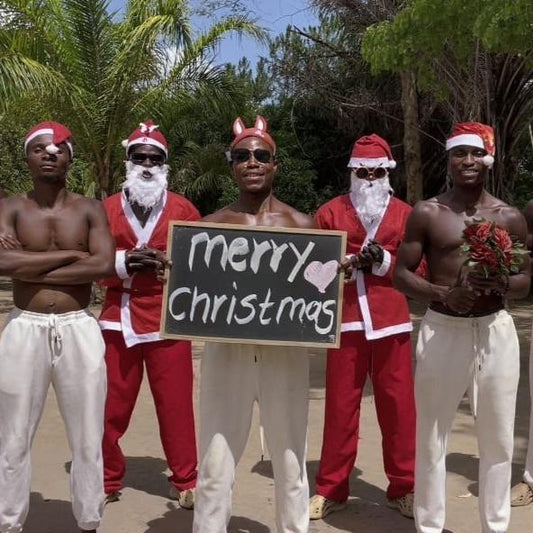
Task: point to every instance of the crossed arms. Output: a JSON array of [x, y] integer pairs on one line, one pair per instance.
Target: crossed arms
[[57, 267]]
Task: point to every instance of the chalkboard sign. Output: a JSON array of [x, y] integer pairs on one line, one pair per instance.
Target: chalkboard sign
[[261, 285]]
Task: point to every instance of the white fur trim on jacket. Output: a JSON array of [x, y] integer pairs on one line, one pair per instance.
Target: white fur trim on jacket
[[381, 270], [120, 264]]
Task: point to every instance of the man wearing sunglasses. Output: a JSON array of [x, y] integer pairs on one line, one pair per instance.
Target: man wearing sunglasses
[[375, 337], [234, 376], [139, 217]]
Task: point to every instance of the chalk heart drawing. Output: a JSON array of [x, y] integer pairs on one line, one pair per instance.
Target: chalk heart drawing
[[321, 274]]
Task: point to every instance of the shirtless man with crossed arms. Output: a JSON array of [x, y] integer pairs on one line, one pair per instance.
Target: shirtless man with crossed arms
[[53, 244]]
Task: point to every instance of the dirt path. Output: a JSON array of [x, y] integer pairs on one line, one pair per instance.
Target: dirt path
[[144, 507]]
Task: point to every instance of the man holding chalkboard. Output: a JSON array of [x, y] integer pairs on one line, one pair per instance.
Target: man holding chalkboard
[[375, 336], [235, 375], [139, 218]]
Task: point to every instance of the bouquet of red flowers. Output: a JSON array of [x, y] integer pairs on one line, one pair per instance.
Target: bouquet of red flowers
[[490, 250]]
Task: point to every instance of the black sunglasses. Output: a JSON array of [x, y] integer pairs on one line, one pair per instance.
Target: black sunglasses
[[364, 173], [240, 155], [155, 159]]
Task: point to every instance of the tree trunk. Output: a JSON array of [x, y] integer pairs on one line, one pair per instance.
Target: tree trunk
[[411, 139]]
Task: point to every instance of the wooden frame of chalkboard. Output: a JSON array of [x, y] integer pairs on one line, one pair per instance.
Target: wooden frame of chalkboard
[[208, 258]]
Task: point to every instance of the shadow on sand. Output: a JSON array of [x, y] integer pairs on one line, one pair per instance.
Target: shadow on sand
[[50, 516]]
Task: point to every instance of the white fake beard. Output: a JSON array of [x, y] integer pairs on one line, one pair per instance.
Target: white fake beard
[[146, 193], [370, 197]]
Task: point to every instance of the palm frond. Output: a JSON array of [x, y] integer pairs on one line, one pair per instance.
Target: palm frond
[[20, 75], [92, 43]]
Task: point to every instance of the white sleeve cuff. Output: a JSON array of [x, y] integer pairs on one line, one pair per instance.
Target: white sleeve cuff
[[381, 270], [120, 264]]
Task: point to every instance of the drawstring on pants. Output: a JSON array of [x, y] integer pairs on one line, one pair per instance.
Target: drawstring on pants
[[479, 359], [55, 341]]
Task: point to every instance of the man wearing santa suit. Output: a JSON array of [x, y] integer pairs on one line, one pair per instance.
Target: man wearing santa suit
[[375, 339], [139, 217]]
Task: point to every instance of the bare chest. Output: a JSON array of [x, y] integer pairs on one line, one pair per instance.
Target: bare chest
[[52, 229], [446, 232]]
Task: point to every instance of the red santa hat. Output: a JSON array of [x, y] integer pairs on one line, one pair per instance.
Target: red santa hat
[[60, 134], [241, 132], [474, 134], [371, 151], [146, 133]]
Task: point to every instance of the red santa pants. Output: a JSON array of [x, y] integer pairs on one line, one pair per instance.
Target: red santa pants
[[169, 368], [388, 362]]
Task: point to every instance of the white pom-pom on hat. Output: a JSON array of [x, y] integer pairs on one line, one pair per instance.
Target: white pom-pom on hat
[[124, 143], [52, 149], [488, 160], [392, 163]]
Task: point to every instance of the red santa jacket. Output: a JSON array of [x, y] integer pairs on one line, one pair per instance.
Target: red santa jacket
[[371, 304], [133, 304]]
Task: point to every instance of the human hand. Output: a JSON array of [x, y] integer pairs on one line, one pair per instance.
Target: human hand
[[348, 267], [375, 250], [483, 285], [146, 259], [79, 255], [370, 254], [460, 299], [9, 242]]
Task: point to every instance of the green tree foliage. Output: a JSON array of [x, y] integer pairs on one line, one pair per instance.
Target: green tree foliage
[[201, 170], [102, 77], [474, 59], [330, 96]]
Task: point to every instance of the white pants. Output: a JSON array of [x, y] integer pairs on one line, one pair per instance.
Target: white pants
[[233, 377], [528, 472], [453, 355], [66, 350]]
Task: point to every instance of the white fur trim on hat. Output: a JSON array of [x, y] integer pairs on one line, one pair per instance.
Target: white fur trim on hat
[[372, 162], [146, 140], [465, 139], [46, 131]]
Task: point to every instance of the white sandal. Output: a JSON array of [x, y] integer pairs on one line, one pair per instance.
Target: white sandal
[[521, 494], [320, 507]]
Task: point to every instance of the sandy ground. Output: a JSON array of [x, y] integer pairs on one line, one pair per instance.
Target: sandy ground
[[145, 508]]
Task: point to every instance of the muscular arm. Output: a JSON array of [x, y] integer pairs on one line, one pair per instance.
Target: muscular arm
[[99, 264], [519, 283], [528, 215], [410, 256], [18, 263]]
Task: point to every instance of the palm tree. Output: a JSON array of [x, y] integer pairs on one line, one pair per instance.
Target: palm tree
[[102, 76]]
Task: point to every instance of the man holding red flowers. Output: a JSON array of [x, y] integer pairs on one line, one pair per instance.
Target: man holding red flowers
[[467, 340]]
